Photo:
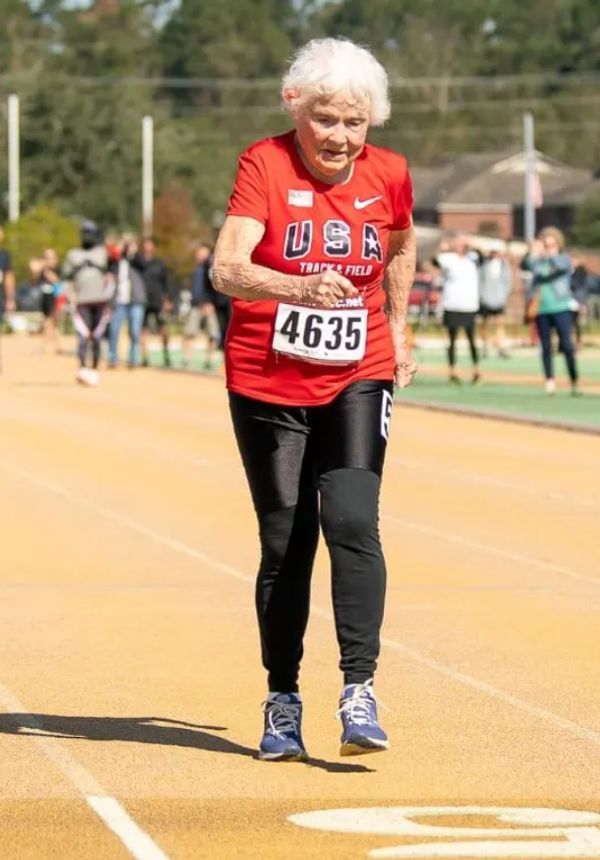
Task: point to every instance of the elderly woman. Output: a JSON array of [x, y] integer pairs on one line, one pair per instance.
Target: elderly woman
[[316, 219], [550, 289]]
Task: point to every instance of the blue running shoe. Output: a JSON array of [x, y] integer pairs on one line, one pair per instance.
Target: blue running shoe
[[282, 738], [358, 711]]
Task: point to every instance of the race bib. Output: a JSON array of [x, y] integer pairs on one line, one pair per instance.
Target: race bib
[[336, 336]]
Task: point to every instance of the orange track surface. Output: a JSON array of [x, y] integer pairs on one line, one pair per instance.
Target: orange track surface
[[129, 663]]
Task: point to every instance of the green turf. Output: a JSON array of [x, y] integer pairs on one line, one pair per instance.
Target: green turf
[[522, 362], [198, 361], [510, 399], [515, 400]]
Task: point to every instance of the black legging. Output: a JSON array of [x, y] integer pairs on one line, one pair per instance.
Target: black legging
[[453, 331], [562, 323], [90, 323], [296, 458]]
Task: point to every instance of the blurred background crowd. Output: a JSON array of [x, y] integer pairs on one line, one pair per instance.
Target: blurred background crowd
[[463, 282], [87, 73]]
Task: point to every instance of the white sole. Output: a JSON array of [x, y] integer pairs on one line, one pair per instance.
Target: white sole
[[356, 749], [279, 757]]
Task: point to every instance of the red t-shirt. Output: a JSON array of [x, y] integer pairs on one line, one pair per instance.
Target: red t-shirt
[[310, 226]]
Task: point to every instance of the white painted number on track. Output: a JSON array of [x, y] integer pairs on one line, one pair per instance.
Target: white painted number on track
[[574, 834]]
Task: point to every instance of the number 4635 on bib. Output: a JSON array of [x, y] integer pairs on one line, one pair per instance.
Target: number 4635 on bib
[[322, 336]]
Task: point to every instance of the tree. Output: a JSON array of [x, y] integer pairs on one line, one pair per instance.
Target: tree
[[40, 228], [208, 71], [177, 229], [226, 39], [81, 126], [586, 230]]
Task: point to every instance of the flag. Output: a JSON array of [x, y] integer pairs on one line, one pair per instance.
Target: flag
[[535, 189]]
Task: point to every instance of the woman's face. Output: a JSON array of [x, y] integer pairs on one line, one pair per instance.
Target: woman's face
[[551, 246], [331, 133]]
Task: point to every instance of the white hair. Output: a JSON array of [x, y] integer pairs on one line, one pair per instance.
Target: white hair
[[327, 67]]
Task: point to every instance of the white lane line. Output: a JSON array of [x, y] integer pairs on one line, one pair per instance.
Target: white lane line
[[70, 768], [514, 488], [108, 513], [492, 550], [580, 732], [109, 810], [116, 818]]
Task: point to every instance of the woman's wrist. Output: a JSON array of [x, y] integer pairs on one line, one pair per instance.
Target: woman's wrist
[[299, 289]]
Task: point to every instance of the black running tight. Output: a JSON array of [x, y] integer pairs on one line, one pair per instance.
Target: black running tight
[[90, 323], [310, 468], [453, 331]]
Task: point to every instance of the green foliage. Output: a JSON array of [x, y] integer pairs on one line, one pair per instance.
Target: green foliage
[[208, 72], [586, 231], [40, 228], [177, 229]]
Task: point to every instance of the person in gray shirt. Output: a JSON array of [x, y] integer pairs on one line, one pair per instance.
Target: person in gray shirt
[[87, 269], [495, 285], [130, 301]]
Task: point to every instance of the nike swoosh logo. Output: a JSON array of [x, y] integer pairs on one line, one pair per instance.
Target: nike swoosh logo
[[362, 204]]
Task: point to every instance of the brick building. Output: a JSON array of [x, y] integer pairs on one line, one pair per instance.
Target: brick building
[[483, 193]]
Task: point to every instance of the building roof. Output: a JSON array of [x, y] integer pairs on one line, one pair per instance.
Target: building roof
[[498, 178]]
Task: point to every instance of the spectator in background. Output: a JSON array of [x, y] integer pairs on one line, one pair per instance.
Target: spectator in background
[[130, 301], [593, 300], [158, 300], [87, 268], [460, 298], [551, 270], [45, 272], [495, 284], [203, 312], [7, 280], [61, 304], [222, 305], [580, 287]]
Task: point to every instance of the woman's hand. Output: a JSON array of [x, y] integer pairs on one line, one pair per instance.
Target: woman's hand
[[536, 248], [325, 289]]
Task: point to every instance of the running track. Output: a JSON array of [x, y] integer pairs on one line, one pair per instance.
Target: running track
[[130, 683]]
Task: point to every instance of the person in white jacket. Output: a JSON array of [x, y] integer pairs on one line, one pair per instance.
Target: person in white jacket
[[458, 265]]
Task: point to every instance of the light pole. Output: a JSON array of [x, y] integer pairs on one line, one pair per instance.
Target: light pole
[[14, 192], [529, 177], [147, 174]]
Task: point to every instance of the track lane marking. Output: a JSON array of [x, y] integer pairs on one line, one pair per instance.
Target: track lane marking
[[415, 465], [578, 731], [481, 479], [492, 550], [411, 524], [107, 808], [122, 825]]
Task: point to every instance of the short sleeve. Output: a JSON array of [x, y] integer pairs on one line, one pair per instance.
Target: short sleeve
[[402, 201], [249, 197]]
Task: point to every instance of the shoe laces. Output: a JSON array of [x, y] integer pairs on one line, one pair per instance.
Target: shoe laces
[[282, 717], [357, 707]]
